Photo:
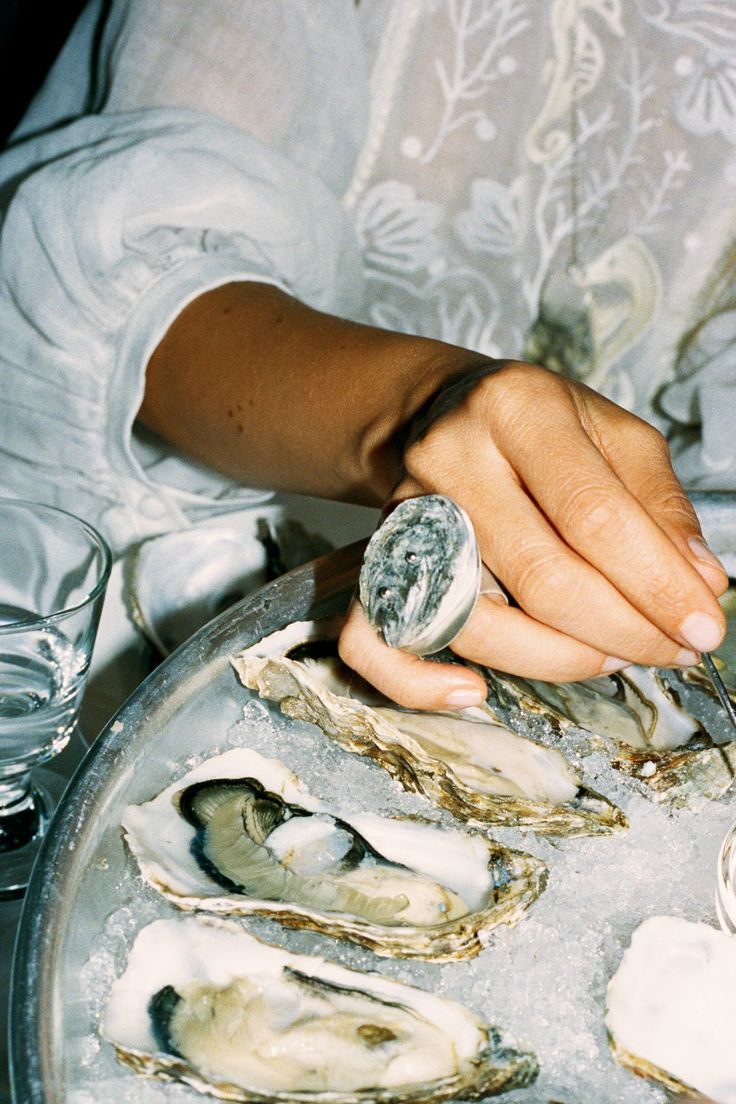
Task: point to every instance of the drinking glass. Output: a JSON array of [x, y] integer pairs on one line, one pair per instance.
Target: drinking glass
[[726, 882], [54, 569]]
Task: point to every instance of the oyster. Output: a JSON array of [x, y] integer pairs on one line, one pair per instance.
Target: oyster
[[466, 762], [637, 717], [178, 581], [182, 579], [421, 574], [671, 1007], [241, 835], [726, 882], [205, 1003]]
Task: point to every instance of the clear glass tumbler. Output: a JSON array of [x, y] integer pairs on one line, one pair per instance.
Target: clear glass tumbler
[[726, 882], [54, 569]]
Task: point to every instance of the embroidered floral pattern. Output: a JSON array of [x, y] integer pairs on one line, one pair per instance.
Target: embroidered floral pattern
[[479, 31], [396, 229], [709, 23], [707, 103], [573, 74], [459, 306], [494, 223], [556, 143]]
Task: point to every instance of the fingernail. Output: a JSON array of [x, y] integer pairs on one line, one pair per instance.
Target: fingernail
[[464, 697], [701, 551], [613, 663], [701, 631], [685, 658]]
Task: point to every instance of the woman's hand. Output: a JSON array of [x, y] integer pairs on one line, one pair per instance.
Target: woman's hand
[[579, 514], [574, 502]]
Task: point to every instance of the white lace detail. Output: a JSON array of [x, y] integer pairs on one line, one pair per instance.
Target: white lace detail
[[573, 73], [384, 82], [396, 229], [588, 142], [707, 103], [479, 34]]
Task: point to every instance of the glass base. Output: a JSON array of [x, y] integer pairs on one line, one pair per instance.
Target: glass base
[[23, 836]]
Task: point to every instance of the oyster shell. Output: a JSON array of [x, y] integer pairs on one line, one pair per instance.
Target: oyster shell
[[241, 835], [466, 762], [637, 717], [203, 1002], [178, 581], [671, 1007], [421, 574], [181, 580]]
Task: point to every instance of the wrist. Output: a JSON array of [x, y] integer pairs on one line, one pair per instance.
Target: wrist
[[431, 377]]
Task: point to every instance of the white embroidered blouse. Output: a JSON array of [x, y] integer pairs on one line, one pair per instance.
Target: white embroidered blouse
[[553, 179]]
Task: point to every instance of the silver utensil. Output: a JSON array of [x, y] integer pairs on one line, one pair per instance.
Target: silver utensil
[[718, 686]]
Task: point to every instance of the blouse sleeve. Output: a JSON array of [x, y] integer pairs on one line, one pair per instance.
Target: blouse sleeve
[[114, 224]]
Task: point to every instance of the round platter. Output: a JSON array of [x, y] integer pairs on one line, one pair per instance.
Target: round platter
[[543, 982]]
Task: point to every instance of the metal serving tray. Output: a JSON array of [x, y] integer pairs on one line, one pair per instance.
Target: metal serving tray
[[75, 886]]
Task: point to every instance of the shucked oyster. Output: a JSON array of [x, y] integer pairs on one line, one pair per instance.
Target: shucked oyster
[[204, 1003], [241, 835], [465, 762], [671, 1007], [639, 720]]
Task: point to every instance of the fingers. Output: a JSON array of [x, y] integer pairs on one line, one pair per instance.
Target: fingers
[[508, 639], [405, 678], [560, 590], [598, 517], [555, 586], [579, 514], [644, 466], [490, 586], [512, 640]]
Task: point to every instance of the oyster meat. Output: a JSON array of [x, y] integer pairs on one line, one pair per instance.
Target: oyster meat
[[205, 1003], [635, 716], [421, 574], [671, 1007], [241, 835], [466, 762]]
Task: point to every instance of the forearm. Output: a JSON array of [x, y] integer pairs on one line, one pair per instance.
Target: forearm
[[266, 390]]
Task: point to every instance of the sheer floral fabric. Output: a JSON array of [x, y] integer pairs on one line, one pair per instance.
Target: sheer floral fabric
[[552, 179]]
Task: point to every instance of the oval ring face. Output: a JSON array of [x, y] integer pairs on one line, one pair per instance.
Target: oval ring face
[[421, 574]]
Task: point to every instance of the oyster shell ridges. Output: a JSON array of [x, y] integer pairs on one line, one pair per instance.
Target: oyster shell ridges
[[637, 719], [162, 842], [210, 956], [302, 692]]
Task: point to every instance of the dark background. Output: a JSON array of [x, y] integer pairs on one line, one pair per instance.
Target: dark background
[[31, 35]]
